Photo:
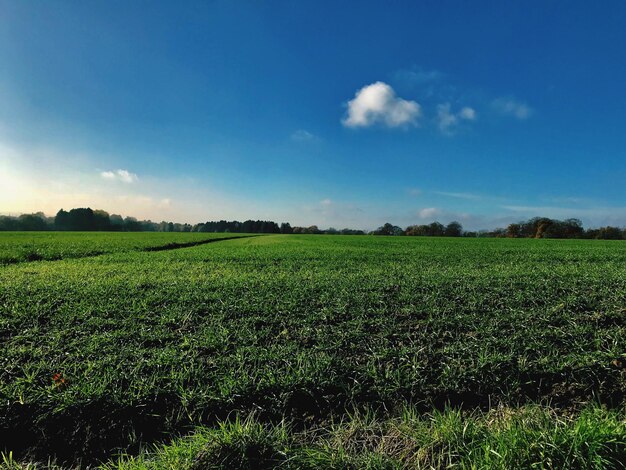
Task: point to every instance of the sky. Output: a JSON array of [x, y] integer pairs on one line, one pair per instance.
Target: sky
[[342, 114]]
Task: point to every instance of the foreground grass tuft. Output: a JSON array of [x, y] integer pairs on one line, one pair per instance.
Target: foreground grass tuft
[[504, 438], [244, 444]]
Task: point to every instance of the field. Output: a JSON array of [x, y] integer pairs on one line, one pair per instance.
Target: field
[[312, 351], [16, 247]]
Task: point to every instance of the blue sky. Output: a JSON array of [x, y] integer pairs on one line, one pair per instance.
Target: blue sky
[[328, 113]]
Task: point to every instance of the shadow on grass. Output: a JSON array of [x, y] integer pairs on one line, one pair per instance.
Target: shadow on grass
[[91, 432]]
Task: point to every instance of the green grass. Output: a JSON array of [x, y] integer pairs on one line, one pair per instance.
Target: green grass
[[305, 329], [16, 247], [504, 438]]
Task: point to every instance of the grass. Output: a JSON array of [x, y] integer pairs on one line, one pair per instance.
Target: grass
[[16, 247], [503, 438], [106, 354]]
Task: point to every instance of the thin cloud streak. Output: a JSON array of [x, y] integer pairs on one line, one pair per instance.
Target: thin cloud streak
[[469, 196], [302, 135]]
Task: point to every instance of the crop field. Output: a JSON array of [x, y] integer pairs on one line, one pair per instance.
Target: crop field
[[311, 351], [16, 247]]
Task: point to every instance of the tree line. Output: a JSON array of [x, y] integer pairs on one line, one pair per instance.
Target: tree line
[[434, 229], [543, 227], [86, 219], [537, 227]]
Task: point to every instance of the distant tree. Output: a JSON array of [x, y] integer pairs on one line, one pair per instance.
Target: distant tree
[[436, 229], [9, 223], [573, 228], [350, 231], [417, 230], [608, 233], [131, 224], [82, 219], [453, 229], [32, 222], [62, 220], [148, 226], [116, 222], [497, 233], [544, 227], [513, 231], [77, 219], [101, 220], [285, 227], [388, 229]]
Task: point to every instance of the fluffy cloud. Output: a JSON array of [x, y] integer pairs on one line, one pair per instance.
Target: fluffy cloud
[[447, 120], [378, 104], [511, 107], [119, 175]]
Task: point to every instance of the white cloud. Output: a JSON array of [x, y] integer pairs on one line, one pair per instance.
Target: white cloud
[[302, 135], [378, 104], [119, 175], [414, 191], [447, 120], [126, 176], [512, 107], [428, 212], [458, 195], [326, 202], [468, 113]]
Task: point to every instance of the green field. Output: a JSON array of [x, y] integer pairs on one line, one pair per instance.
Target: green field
[[312, 351], [16, 247]]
